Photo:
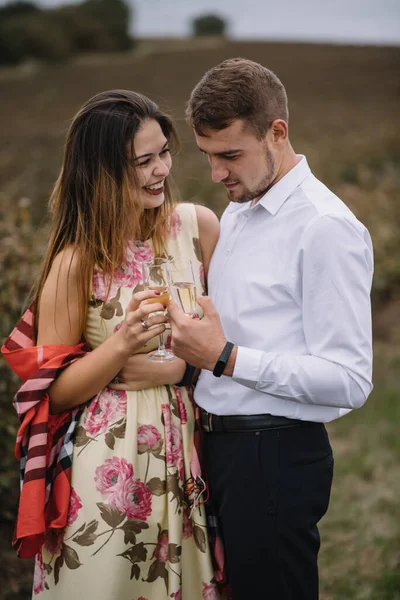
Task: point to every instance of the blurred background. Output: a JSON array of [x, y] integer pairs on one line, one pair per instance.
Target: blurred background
[[340, 64]]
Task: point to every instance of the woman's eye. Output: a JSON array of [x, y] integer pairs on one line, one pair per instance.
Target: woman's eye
[[165, 151], [143, 164]]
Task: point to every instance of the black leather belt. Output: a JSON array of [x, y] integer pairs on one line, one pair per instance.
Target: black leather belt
[[219, 423]]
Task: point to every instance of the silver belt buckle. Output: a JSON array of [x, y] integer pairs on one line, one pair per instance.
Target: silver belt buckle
[[206, 422], [209, 419]]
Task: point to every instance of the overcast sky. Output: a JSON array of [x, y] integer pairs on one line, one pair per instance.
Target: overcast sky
[[353, 21]]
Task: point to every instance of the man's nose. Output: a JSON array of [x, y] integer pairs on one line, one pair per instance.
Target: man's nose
[[218, 172]]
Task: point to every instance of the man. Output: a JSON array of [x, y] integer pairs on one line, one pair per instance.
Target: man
[[287, 325]]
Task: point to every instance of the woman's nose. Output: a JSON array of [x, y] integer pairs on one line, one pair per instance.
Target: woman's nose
[[161, 168]]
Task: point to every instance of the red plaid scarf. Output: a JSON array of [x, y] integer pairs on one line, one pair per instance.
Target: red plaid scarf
[[44, 444]]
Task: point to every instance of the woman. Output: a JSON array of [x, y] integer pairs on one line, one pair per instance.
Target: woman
[[130, 531]]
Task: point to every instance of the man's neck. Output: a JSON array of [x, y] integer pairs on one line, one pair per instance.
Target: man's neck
[[288, 162]]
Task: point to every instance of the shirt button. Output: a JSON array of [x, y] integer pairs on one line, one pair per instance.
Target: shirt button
[[245, 216], [227, 253]]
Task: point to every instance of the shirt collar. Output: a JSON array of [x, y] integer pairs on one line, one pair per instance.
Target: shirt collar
[[280, 191]]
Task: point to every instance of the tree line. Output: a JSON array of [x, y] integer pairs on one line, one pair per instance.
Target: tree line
[[30, 32]]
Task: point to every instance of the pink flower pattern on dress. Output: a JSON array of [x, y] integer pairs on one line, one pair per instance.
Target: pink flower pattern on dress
[[114, 479], [148, 435], [39, 575], [177, 595], [202, 278], [181, 406], [75, 505], [111, 475], [133, 498], [187, 525], [210, 592], [176, 225], [128, 275], [136, 253], [161, 551], [100, 286], [173, 442], [104, 410]]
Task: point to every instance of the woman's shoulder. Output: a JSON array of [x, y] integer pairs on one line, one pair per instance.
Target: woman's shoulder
[[206, 217], [201, 215], [67, 262]]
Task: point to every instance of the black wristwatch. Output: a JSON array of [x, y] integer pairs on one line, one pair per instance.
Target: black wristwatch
[[223, 359]]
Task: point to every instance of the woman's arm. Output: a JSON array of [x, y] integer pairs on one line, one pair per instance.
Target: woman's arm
[[208, 233], [59, 324]]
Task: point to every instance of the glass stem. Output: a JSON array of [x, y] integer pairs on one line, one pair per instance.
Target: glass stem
[[161, 345]]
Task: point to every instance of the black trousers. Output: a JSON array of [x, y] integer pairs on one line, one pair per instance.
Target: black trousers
[[270, 489]]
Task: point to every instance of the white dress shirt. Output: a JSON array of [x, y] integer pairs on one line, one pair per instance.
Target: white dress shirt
[[291, 279]]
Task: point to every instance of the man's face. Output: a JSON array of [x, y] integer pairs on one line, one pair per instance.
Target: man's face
[[244, 164]]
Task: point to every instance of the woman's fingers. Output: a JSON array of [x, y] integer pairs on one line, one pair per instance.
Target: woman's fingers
[[143, 321], [152, 320], [148, 334], [145, 315], [140, 297]]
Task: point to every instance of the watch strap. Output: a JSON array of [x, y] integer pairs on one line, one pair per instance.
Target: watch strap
[[223, 359]]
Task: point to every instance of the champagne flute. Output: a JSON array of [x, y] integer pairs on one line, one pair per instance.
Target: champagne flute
[[155, 277], [182, 284]]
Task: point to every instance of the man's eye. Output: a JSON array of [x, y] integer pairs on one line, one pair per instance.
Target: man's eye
[[230, 157]]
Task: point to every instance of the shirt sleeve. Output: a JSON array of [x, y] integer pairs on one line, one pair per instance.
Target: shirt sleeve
[[336, 267]]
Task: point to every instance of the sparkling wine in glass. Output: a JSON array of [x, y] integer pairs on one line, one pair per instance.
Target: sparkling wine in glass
[[182, 284], [155, 277]]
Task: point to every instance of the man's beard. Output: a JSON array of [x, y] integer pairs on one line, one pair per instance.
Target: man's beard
[[264, 185]]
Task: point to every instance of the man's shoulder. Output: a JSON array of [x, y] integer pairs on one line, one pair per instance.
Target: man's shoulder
[[319, 201], [314, 212]]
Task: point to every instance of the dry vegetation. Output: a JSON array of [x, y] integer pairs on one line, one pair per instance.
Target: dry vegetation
[[345, 117]]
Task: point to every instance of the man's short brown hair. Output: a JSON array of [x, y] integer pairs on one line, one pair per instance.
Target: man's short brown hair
[[237, 88]]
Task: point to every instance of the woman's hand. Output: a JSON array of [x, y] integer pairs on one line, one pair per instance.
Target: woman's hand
[[140, 374], [140, 324]]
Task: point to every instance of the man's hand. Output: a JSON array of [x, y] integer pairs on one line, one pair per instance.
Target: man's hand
[[199, 342]]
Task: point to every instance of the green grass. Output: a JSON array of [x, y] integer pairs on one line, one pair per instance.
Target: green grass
[[361, 531]]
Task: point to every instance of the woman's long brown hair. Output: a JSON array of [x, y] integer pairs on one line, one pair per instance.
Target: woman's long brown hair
[[95, 204]]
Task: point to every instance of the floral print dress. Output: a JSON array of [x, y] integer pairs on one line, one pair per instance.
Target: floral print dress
[[131, 534]]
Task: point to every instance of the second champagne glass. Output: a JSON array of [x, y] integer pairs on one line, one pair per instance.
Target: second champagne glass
[[182, 284], [155, 277]]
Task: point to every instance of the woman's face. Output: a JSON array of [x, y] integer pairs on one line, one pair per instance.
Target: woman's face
[[152, 161]]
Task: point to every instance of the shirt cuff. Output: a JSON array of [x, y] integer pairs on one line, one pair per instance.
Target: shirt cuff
[[247, 366]]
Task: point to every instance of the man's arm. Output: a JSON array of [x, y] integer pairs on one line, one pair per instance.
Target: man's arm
[[336, 269]]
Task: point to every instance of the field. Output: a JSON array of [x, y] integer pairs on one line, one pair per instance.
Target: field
[[344, 115]]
